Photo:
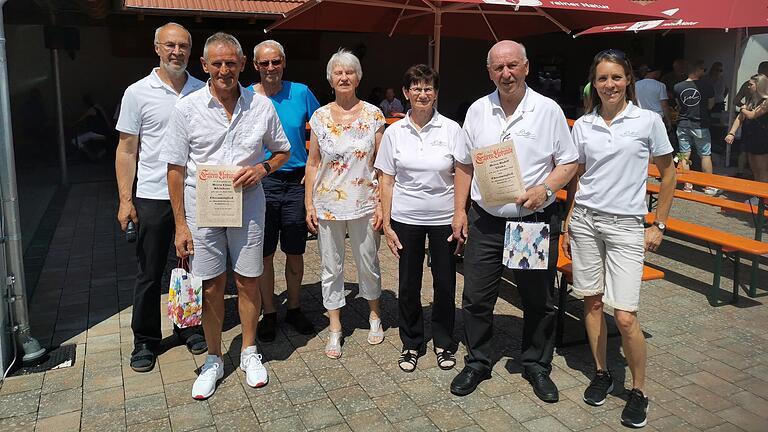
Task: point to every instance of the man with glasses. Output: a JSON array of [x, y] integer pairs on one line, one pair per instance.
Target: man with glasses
[[548, 159], [144, 113], [224, 124], [284, 190]]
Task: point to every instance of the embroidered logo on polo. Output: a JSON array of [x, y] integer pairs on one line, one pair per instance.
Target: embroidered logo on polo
[[522, 133], [439, 143], [690, 97], [630, 133]]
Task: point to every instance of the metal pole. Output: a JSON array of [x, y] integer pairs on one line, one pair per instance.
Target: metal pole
[[438, 26], [60, 117], [734, 88], [10, 208]]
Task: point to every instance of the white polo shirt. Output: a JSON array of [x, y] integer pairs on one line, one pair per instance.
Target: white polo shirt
[[422, 164], [540, 133], [199, 133], [144, 111], [616, 159]]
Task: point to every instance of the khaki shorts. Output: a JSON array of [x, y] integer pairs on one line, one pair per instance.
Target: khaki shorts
[[608, 252]]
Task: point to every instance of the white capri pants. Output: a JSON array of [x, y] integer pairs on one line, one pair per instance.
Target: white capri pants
[[364, 242], [608, 252]]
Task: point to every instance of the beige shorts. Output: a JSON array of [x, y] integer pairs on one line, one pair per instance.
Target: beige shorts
[[608, 252]]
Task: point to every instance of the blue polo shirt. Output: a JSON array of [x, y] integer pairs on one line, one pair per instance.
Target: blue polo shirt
[[295, 105]]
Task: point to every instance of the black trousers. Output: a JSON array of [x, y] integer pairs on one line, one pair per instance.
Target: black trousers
[[443, 268], [482, 278], [156, 230]]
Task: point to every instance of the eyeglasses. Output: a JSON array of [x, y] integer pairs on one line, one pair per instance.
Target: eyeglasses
[[266, 63], [170, 46], [611, 52], [426, 90]]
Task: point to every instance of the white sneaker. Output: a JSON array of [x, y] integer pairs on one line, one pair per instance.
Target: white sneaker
[[210, 374], [688, 187], [255, 372], [711, 191]]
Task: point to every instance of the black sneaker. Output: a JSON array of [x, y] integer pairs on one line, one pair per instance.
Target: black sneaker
[[299, 321], [266, 329], [598, 389], [635, 413]]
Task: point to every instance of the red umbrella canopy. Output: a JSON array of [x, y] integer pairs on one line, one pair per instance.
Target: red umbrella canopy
[[688, 14], [480, 19]]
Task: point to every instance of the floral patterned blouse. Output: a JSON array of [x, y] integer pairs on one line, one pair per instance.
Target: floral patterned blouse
[[345, 186]]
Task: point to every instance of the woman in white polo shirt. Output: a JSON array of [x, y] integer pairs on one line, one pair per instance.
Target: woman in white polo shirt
[[416, 162], [608, 239]]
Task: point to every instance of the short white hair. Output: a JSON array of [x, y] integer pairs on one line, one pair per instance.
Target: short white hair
[[159, 29], [522, 48], [222, 38], [345, 58], [269, 43]]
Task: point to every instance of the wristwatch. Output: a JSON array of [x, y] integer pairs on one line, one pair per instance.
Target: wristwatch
[[549, 191], [660, 225], [267, 167]]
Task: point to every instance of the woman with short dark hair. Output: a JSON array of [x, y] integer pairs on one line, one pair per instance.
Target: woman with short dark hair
[[416, 160]]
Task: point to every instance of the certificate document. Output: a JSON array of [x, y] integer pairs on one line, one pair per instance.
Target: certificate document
[[219, 204], [497, 173]]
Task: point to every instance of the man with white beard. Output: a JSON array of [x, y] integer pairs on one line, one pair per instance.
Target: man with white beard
[[146, 107]]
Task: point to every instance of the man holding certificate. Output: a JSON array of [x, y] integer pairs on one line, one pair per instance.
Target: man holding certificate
[[518, 151], [215, 143]]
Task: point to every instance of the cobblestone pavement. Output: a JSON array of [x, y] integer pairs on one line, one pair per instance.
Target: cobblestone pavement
[[708, 366]]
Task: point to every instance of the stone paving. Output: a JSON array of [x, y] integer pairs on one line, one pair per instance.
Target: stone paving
[[708, 366]]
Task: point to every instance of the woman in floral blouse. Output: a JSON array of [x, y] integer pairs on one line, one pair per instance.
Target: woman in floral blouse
[[342, 194]]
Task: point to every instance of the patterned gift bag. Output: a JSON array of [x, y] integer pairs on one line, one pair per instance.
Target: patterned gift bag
[[185, 297], [526, 245]]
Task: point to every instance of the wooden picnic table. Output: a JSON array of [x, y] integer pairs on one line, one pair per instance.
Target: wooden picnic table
[[730, 184]]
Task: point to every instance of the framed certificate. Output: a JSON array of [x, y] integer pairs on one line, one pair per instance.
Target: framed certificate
[[497, 173], [219, 204]]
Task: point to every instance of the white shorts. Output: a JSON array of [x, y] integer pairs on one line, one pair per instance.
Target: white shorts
[[245, 244], [608, 253]]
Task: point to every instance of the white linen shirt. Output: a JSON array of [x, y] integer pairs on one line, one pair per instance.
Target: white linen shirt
[[200, 133], [539, 131], [650, 93], [616, 159], [422, 164], [144, 112]]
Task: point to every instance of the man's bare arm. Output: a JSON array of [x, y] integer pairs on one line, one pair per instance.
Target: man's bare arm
[[125, 172]]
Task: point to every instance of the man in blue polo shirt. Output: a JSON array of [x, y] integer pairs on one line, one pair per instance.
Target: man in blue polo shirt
[[284, 189]]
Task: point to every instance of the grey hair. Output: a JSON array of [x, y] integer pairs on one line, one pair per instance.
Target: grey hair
[[271, 44], [222, 38], [159, 29], [343, 57], [522, 48]]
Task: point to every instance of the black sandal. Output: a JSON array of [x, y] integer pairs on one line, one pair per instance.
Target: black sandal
[[445, 359], [143, 359], [196, 344], [408, 357]]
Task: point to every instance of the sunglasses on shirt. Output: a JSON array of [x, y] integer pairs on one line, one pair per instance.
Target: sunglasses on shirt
[[611, 52], [266, 63]]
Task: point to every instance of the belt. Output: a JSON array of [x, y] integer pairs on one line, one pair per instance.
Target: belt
[[293, 175], [544, 216]]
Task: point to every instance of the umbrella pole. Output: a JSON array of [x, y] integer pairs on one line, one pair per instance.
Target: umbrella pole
[[734, 88], [438, 25]]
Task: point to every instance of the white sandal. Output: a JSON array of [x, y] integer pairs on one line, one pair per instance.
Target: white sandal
[[333, 347], [376, 331]]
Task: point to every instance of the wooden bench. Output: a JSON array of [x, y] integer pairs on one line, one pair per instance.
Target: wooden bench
[[725, 243], [564, 266], [724, 204]]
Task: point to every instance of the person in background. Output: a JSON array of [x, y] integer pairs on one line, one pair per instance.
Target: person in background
[[416, 163], [341, 195], [743, 96], [719, 86], [652, 93], [678, 73], [285, 218], [753, 121], [695, 98], [604, 232], [391, 106]]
